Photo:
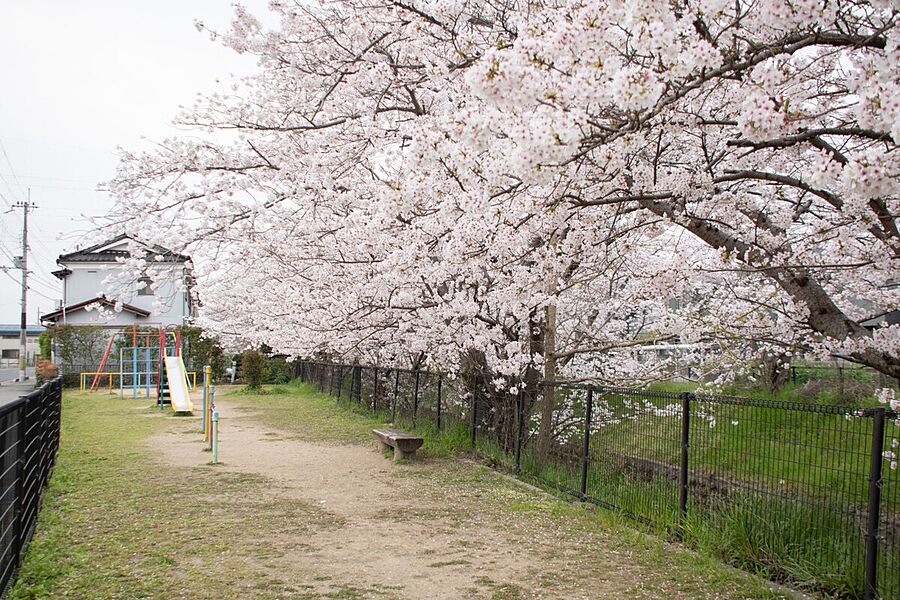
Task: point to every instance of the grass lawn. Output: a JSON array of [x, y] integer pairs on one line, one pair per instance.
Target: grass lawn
[[116, 523]]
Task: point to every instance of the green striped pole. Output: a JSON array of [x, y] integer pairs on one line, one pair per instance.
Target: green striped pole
[[210, 407]]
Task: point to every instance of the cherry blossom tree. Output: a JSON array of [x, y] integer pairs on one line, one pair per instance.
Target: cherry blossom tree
[[765, 130], [541, 187]]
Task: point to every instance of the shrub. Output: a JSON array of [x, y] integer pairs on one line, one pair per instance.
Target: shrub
[[79, 346], [45, 370], [279, 371], [45, 342], [253, 369], [202, 349]]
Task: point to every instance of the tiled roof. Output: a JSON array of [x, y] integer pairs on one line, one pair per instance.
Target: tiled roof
[[94, 253], [101, 300]]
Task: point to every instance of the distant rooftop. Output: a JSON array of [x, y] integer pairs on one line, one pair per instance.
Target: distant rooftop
[[14, 329], [108, 252]]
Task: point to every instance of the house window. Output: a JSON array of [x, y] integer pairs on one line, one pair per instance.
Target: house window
[[10, 354], [144, 288]]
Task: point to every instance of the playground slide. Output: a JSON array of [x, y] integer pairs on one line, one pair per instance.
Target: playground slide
[[178, 385]]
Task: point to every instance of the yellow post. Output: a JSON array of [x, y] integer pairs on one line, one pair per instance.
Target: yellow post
[[207, 416]]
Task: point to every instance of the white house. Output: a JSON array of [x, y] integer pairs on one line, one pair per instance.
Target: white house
[[166, 302], [9, 344]]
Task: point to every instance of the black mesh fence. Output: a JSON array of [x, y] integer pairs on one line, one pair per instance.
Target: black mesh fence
[[807, 494], [887, 541], [29, 440], [840, 382]]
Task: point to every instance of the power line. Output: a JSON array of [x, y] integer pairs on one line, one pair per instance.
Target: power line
[[30, 289], [53, 187], [5, 250], [6, 201], [42, 177], [47, 286], [45, 296], [11, 170], [41, 243], [11, 191]]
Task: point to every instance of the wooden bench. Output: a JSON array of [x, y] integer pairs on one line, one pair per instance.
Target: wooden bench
[[403, 444]]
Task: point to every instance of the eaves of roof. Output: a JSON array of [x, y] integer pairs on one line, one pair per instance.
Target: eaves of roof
[[140, 312]]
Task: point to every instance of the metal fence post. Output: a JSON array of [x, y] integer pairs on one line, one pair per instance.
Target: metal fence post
[[586, 449], [396, 392], [352, 383], [685, 439], [415, 397], [440, 383], [841, 393], [874, 504], [474, 409], [375, 392], [520, 426]]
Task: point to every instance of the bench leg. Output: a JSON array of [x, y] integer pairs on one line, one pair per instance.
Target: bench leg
[[401, 455]]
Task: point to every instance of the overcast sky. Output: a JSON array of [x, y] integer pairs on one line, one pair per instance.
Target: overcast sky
[[78, 79]]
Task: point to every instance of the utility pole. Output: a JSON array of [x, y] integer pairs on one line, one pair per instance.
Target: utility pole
[[23, 337]]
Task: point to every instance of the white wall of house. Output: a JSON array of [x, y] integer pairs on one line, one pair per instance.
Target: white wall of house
[[9, 349], [167, 302]]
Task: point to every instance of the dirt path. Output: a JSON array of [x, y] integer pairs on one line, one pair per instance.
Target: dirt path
[[426, 529]]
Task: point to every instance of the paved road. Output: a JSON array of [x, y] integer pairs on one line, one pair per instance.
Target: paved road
[[7, 374], [9, 388], [11, 391]]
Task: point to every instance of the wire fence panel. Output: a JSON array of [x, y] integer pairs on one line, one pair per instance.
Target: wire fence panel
[[799, 473], [552, 436], [29, 441], [888, 559], [634, 453], [807, 494]]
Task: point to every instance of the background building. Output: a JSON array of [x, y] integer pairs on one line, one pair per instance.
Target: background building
[[161, 296], [9, 345]]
